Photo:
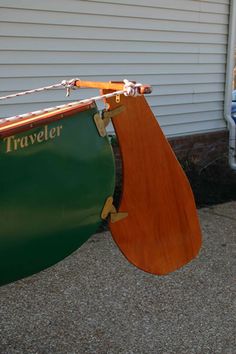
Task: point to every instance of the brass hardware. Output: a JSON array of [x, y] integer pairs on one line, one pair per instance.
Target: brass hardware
[[102, 122], [117, 98], [109, 209], [118, 216], [99, 124], [107, 115]]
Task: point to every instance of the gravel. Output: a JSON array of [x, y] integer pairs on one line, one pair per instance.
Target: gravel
[[96, 302]]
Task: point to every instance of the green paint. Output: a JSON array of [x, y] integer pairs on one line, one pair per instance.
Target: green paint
[[54, 182]]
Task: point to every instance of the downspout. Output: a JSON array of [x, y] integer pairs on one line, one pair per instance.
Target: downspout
[[228, 85]]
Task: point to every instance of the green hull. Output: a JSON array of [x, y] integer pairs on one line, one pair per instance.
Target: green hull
[[55, 179]]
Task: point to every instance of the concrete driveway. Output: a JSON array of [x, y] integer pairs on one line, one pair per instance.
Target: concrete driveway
[[96, 302]]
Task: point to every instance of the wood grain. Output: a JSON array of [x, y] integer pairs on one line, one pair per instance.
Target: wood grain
[[161, 232], [112, 85], [23, 124]]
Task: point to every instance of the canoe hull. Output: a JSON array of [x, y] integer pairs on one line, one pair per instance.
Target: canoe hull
[[55, 179]]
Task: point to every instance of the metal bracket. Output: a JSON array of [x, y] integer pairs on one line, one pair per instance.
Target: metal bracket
[[107, 115], [102, 121], [117, 98], [109, 209], [99, 124]]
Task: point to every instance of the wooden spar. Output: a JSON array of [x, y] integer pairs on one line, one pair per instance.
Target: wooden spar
[[112, 85], [115, 86]]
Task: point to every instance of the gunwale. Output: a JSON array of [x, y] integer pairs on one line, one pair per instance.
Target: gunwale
[[23, 124]]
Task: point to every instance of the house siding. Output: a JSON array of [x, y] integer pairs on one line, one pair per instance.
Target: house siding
[[179, 47]]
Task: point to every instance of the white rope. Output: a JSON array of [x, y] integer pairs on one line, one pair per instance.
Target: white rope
[[130, 89], [66, 84]]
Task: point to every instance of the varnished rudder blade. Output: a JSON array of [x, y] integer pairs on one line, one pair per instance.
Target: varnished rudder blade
[[161, 232]]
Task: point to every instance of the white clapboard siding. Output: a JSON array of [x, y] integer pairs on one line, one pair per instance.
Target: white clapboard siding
[[179, 47]]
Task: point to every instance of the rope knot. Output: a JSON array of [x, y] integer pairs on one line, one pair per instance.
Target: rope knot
[[130, 88], [69, 85]]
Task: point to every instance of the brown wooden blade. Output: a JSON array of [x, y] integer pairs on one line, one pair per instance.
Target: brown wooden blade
[[161, 232]]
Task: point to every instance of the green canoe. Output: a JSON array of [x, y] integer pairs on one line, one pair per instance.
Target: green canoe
[[56, 174]]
